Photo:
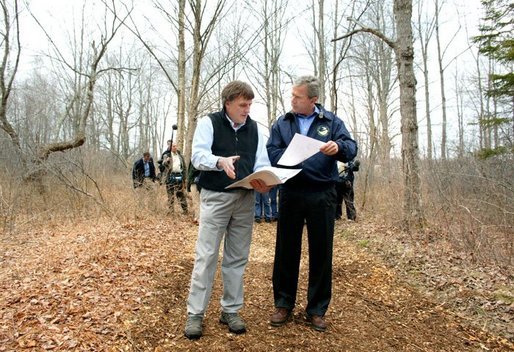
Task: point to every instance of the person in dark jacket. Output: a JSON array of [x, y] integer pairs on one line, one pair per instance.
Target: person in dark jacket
[[175, 177], [227, 147], [344, 188], [142, 170], [308, 199]]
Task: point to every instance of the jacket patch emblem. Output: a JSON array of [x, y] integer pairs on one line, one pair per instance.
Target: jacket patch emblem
[[323, 131]]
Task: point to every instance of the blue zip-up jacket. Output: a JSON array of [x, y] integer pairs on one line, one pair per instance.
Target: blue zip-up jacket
[[319, 170]]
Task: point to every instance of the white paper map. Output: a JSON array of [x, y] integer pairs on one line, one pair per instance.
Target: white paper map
[[300, 149], [270, 175]]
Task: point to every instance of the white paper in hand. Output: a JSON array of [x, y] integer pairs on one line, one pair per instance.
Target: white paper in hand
[[269, 175], [301, 148]]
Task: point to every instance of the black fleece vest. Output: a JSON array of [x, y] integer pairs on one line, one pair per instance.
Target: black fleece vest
[[227, 142]]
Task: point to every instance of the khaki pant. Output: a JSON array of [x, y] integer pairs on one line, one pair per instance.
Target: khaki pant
[[226, 216]]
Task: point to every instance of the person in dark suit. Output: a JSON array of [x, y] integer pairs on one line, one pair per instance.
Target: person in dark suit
[[143, 169]]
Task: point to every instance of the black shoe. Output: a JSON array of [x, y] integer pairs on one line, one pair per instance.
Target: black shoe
[[257, 220]]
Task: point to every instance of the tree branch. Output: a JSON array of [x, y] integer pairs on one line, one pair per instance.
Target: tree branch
[[375, 32]]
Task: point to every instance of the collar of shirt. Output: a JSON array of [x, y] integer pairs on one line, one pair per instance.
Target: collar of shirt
[[313, 114], [234, 125], [305, 122]]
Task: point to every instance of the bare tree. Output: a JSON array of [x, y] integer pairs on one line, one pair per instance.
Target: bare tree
[[199, 27], [80, 100], [441, 76], [319, 28], [201, 40], [425, 29], [264, 62], [459, 93], [86, 71], [9, 68], [404, 52]]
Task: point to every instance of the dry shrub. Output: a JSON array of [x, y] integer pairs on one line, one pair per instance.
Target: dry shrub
[[76, 186], [472, 202], [468, 201], [379, 193]]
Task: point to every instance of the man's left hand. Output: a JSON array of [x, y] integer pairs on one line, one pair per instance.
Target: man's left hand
[[260, 186], [329, 148]]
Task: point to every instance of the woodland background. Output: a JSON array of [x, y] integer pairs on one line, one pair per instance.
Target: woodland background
[[88, 86]]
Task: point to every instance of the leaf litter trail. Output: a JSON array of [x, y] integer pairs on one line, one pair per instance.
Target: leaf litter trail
[[123, 287]]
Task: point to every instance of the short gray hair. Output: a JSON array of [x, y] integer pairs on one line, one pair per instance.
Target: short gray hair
[[312, 84]]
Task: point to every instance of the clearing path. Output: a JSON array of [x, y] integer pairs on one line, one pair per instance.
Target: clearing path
[[114, 287]]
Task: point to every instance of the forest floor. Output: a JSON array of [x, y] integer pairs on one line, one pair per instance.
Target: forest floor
[[106, 286]]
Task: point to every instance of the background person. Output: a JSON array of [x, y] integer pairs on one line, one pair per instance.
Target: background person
[[344, 188], [273, 196], [262, 207], [308, 198], [143, 170], [175, 177]]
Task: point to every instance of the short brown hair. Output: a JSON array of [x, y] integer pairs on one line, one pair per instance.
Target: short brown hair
[[236, 89]]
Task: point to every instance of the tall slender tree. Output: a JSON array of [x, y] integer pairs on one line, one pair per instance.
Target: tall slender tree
[[404, 52]]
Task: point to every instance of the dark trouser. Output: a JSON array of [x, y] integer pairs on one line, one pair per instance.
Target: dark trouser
[[317, 210], [176, 190], [345, 194]]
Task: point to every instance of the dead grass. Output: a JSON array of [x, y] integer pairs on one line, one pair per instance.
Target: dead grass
[[93, 264]]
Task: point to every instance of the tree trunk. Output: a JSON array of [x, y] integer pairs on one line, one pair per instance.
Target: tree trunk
[[321, 42], [425, 34], [412, 211], [181, 93], [441, 77]]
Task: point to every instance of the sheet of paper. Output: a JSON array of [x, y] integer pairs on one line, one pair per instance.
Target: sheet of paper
[[270, 175], [300, 149]]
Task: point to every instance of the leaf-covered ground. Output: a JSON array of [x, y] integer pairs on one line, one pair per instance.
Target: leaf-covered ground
[[122, 287]]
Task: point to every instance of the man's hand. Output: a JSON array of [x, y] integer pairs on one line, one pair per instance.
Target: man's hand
[[260, 186], [329, 148], [227, 165]]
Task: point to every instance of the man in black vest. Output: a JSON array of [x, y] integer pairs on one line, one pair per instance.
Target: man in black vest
[[227, 147]]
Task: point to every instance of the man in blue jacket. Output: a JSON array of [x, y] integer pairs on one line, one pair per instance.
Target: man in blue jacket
[[308, 198]]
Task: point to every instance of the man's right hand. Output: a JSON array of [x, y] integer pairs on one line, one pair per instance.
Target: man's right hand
[[227, 165]]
